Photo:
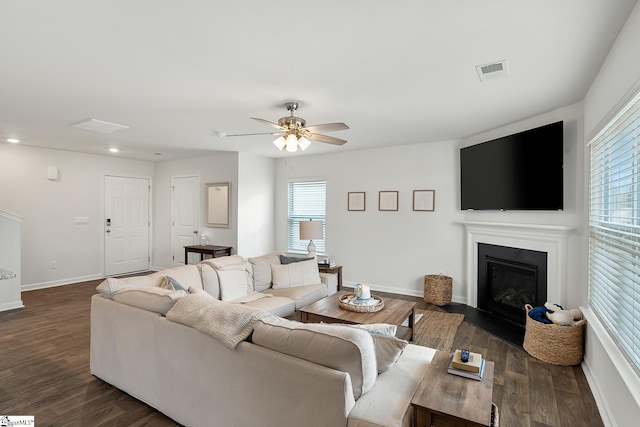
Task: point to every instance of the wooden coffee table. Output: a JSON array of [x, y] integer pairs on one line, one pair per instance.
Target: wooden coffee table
[[395, 312], [444, 399]]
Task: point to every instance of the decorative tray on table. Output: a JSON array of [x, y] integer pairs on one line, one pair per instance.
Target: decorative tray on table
[[352, 303]]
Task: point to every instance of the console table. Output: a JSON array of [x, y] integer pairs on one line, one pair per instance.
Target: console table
[[444, 399], [336, 269], [214, 250]]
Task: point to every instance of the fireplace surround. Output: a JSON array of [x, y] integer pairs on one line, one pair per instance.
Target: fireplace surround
[[550, 239]]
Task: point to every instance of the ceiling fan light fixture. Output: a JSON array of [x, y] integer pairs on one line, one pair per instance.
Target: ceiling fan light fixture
[[303, 143], [280, 143], [292, 143]]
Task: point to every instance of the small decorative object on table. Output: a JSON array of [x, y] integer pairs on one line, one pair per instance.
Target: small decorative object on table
[[351, 302], [473, 368]]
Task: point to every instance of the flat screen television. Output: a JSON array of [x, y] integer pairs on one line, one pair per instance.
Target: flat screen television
[[522, 171]]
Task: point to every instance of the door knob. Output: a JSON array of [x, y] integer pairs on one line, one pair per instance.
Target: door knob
[[195, 231], [108, 230]]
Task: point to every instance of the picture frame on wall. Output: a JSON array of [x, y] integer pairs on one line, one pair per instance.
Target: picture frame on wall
[[356, 201], [424, 200], [388, 201]]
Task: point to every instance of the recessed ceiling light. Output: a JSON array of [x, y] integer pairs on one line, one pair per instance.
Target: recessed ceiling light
[[13, 140], [113, 150]]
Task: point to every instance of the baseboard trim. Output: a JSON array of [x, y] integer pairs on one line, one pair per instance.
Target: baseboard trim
[[11, 305], [62, 282], [408, 292]]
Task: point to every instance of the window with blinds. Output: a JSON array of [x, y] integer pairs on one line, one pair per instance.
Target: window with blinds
[[614, 229], [307, 200]]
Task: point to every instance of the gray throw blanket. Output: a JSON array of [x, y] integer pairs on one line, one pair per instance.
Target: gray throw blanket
[[228, 323]]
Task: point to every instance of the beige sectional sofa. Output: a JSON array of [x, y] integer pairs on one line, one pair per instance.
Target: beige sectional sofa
[[172, 340]]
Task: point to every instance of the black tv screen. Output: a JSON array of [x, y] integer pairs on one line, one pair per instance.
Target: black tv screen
[[516, 172]]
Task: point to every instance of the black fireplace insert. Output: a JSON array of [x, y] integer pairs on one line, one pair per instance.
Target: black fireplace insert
[[509, 278]]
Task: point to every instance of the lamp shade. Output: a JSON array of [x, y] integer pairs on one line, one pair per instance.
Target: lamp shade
[[310, 230]]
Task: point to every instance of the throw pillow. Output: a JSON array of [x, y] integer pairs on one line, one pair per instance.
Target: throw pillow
[[174, 284], [387, 346], [262, 270], [295, 274], [110, 285], [291, 259], [233, 284]]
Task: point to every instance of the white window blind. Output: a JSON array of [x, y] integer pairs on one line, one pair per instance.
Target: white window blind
[[307, 200], [614, 227]]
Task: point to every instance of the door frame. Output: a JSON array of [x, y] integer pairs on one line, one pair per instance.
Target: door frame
[[103, 193]]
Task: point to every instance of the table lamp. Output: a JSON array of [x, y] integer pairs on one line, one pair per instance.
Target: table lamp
[[310, 230]]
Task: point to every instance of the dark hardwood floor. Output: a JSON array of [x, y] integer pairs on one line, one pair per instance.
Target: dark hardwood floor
[[44, 371]]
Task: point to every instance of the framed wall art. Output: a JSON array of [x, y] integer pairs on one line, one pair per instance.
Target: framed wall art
[[424, 200], [388, 201], [356, 201]]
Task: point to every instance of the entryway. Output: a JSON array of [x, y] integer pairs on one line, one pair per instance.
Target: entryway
[[126, 225]]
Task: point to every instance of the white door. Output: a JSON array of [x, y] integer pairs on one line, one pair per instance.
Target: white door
[[185, 217], [126, 225]]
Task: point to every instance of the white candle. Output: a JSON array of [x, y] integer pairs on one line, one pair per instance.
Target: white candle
[[366, 292]]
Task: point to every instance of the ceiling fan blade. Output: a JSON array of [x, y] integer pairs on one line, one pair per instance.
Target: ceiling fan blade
[[327, 139], [225, 135], [328, 127], [268, 123]]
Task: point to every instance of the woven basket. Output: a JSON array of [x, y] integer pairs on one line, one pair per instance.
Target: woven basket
[[558, 345], [343, 303], [437, 289]]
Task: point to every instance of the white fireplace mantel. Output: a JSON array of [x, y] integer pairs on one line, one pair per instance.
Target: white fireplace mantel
[[551, 239]]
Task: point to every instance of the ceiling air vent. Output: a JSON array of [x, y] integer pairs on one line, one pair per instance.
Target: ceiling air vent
[[493, 71], [98, 126]]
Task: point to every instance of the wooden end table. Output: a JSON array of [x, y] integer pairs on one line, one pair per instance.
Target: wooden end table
[[214, 250], [395, 312], [336, 269], [444, 399]]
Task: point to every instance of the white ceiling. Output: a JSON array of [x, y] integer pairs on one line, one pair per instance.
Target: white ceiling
[[396, 72]]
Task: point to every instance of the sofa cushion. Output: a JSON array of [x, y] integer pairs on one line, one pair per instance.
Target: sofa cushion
[[262, 270], [295, 274], [302, 295], [278, 306], [158, 300], [112, 284], [345, 349], [210, 281]]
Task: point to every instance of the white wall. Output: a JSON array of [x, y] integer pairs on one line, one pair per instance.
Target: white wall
[[219, 167], [615, 385], [49, 209], [256, 210], [391, 251]]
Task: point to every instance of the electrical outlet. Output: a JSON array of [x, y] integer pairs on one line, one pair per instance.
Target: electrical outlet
[[53, 265]]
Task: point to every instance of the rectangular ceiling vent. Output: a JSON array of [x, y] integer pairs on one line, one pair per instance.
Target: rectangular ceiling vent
[[493, 71], [101, 126]]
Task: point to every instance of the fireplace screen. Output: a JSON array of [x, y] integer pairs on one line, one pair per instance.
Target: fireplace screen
[[509, 278]]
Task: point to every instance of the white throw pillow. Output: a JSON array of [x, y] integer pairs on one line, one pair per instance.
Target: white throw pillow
[[262, 270], [233, 284], [110, 285], [295, 274]]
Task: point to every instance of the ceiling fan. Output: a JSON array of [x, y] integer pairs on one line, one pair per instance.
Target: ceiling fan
[[293, 133]]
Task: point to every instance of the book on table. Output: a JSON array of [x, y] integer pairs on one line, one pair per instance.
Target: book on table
[[472, 365], [467, 374]]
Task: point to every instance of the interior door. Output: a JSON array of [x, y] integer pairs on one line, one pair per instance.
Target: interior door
[[126, 225], [185, 217]]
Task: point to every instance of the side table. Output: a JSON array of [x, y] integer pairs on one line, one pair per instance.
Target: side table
[[336, 269], [214, 250], [445, 399]]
